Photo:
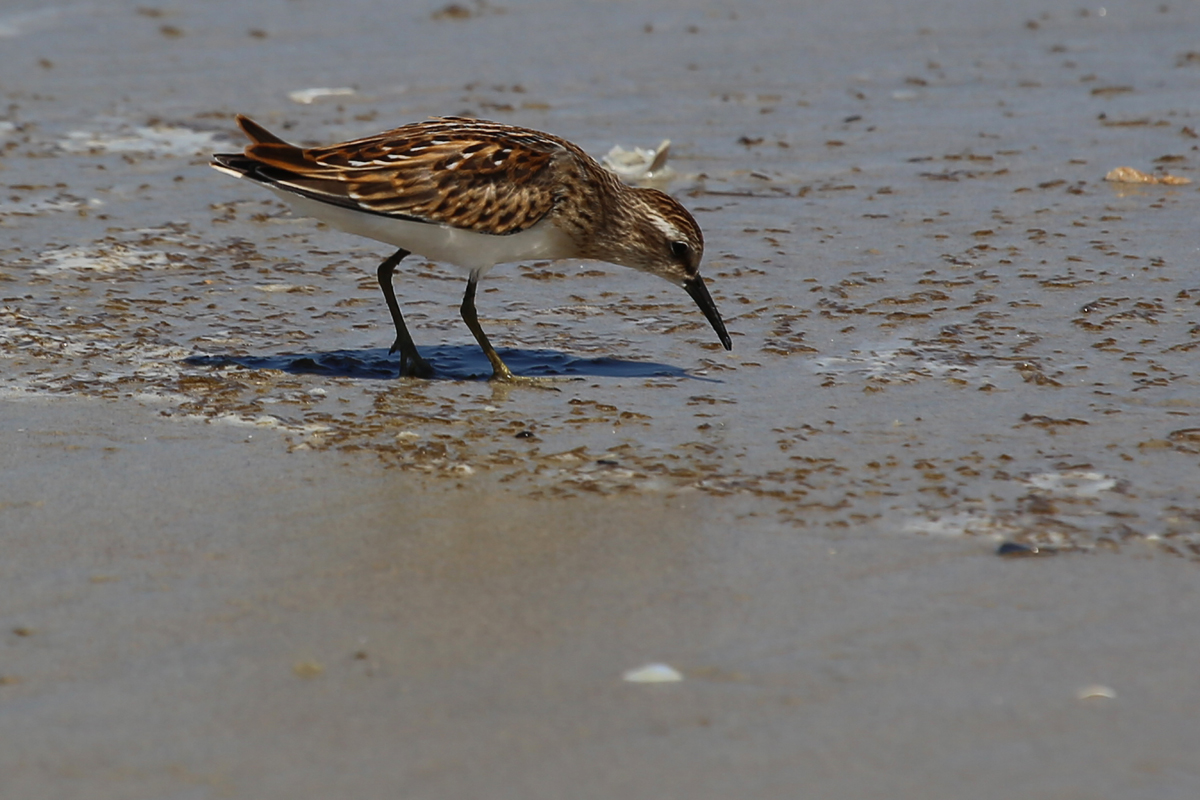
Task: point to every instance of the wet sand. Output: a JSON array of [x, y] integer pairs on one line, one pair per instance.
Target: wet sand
[[243, 559]]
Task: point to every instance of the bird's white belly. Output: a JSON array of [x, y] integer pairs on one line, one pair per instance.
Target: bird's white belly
[[467, 249]]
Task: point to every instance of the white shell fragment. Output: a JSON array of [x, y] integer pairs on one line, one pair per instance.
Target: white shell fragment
[[638, 164], [307, 96], [1095, 690], [653, 673]]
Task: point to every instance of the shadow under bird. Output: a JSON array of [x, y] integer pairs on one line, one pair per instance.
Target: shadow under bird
[[475, 194]]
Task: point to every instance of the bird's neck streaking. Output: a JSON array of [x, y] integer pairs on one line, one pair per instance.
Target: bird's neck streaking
[[613, 225]]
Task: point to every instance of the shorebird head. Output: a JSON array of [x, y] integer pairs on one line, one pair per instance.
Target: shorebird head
[[665, 240]]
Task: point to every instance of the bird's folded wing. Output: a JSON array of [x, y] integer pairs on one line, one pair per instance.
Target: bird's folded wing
[[464, 173]]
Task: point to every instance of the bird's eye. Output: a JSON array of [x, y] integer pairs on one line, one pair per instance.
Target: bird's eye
[[681, 251]]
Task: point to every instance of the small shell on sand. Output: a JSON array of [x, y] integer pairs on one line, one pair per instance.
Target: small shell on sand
[[1131, 175], [653, 673]]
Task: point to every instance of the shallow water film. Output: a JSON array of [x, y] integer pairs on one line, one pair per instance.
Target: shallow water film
[[954, 336]]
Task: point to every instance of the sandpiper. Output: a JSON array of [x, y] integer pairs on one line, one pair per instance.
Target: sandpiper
[[475, 194]]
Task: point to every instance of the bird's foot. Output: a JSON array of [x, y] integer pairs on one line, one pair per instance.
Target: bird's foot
[[502, 375], [411, 363]]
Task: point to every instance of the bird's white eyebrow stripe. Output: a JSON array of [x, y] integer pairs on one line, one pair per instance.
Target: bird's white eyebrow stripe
[[666, 228]]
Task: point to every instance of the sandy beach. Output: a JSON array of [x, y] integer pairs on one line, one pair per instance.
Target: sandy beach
[[244, 559]]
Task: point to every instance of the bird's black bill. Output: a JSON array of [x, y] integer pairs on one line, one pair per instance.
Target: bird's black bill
[[699, 292]]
